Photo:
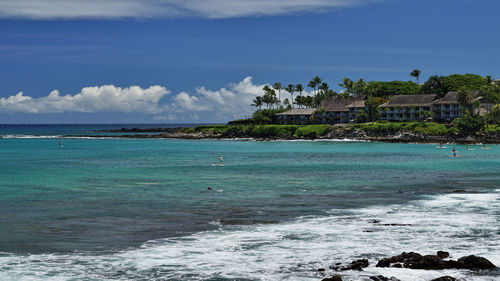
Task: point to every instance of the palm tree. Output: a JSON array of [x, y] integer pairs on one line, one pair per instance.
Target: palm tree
[[416, 73], [269, 97], [489, 79], [299, 101], [277, 87], [323, 87], [299, 88], [347, 84], [316, 81], [464, 97], [257, 102], [290, 89]]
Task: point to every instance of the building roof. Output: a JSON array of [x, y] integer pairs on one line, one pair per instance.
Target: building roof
[[298, 111], [339, 102], [449, 98], [356, 104], [409, 100]]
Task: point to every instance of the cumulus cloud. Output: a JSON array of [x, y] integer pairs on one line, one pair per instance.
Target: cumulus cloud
[[220, 105], [67, 9], [106, 98]]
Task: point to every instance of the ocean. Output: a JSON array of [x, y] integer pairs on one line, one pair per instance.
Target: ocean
[[98, 208]]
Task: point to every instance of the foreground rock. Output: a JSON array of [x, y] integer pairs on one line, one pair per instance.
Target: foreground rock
[[475, 262], [435, 262], [383, 278], [445, 278], [333, 278], [354, 265]]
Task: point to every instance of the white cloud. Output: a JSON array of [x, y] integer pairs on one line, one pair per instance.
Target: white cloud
[[219, 105], [106, 98], [64, 9], [231, 102]]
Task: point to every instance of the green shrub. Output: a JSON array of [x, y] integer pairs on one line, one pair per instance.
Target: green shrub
[[264, 131], [432, 129], [311, 131]]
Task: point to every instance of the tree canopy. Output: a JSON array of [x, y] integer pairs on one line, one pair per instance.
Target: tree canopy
[[441, 85], [386, 89]]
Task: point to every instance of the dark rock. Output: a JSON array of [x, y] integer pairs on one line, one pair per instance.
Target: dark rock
[[385, 262], [475, 262], [397, 265], [360, 262], [445, 278], [405, 258], [375, 221], [355, 265], [383, 278], [333, 278], [453, 264], [443, 254], [321, 269], [425, 262]]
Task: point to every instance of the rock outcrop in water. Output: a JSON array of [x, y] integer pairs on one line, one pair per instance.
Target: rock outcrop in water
[[354, 265], [435, 262], [333, 278], [445, 278], [333, 132], [383, 278]]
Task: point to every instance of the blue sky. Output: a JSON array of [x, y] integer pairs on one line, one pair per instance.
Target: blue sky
[[168, 61]]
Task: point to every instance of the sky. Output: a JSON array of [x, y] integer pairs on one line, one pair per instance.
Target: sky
[[204, 61]]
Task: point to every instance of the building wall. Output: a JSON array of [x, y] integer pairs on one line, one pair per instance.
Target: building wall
[[294, 119]]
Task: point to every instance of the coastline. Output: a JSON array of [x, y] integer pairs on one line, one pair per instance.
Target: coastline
[[333, 133]]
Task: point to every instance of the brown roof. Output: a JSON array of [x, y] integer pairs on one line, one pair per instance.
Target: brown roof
[[298, 111], [408, 100], [450, 98], [339, 103], [360, 103]]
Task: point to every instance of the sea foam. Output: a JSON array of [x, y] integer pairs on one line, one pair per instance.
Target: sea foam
[[459, 223]]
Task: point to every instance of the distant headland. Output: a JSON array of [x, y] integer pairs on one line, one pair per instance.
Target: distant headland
[[456, 108]]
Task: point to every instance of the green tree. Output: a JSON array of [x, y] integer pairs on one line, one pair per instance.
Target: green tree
[[464, 97], [309, 101], [269, 96], [441, 85], [469, 124], [316, 81], [299, 88], [416, 73], [290, 89], [387, 89], [434, 85], [257, 102], [277, 87], [360, 87], [347, 84]]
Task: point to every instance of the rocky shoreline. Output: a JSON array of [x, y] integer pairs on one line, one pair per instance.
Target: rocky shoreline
[[334, 133], [414, 260]]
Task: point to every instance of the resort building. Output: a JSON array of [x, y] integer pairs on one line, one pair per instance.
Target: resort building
[[296, 116], [356, 110], [335, 110], [342, 110], [483, 107], [447, 108], [407, 107]]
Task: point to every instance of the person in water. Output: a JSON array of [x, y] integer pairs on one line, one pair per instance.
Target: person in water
[[454, 152], [220, 160]]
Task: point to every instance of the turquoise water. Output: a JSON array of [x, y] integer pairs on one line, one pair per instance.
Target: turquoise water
[[119, 201]]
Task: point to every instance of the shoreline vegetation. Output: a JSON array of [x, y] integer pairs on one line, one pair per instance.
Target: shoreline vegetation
[[411, 132]]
